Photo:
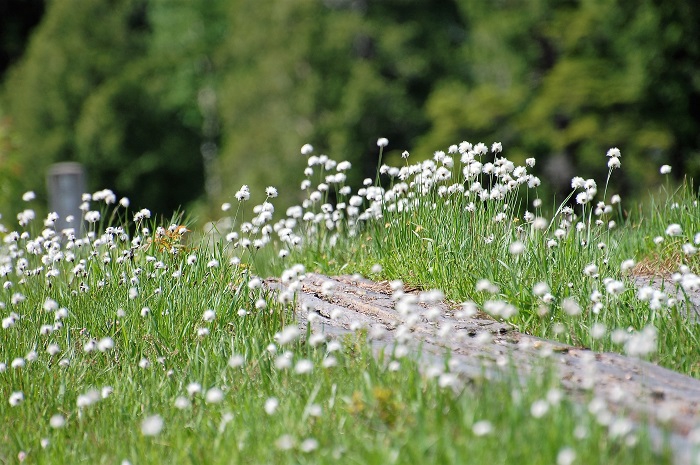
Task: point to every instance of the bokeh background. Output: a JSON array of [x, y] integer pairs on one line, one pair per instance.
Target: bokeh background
[[176, 103]]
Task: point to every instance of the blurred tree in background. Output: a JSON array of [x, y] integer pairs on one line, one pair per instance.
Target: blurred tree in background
[[564, 81], [178, 103], [18, 18], [88, 91]]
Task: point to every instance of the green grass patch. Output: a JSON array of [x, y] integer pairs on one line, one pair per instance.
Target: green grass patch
[[142, 342]]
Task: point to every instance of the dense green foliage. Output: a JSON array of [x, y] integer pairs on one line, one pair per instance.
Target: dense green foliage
[[169, 101]]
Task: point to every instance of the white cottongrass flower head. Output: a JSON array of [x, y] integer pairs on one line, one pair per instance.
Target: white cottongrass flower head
[[539, 223], [516, 248], [627, 265], [482, 428], [469, 309], [480, 149], [674, 229], [333, 346], [487, 286], [317, 339], [642, 343], [614, 287], [570, 306], [142, 214], [57, 421], [540, 289], [236, 361], [92, 216], [214, 396], [16, 398], [50, 305], [182, 403], [308, 445], [89, 398], [315, 410], [598, 330], [327, 288], [243, 193], [539, 408], [500, 308], [303, 367], [194, 388], [284, 361], [382, 142], [582, 198], [106, 391], [287, 335], [271, 405], [53, 349], [152, 425], [566, 456], [665, 169], [306, 149], [105, 344], [614, 152], [285, 442]]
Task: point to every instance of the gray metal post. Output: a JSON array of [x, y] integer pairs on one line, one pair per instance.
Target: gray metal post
[[66, 185]]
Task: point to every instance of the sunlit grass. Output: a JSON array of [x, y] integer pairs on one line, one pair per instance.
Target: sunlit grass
[[447, 234], [143, 342]]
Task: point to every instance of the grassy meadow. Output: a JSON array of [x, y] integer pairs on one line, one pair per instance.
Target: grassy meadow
[[141, 341]]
